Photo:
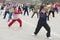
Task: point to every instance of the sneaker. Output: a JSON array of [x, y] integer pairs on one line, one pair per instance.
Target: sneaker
[[49, 38], [33, 35], [8, 26]]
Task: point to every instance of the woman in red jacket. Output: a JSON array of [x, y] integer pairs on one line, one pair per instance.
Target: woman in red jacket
[[16, 18]]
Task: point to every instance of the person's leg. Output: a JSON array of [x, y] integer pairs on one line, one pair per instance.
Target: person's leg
[[11, 22], [10, 16], [24, 12], [33, 14], [57, 10], [5, 14], [27, 12], [49, 14], [53, 13], [39, 26], [46, 26], [32, 9], [1, 11], [37, 29], [37, 14], [20, 22]]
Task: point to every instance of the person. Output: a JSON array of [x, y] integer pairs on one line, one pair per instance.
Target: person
[[50, 10], [55, 7], [43, 22], [7, 7], [16, 18], [11, 9], [26, 9], [35, 11], [20, 9]]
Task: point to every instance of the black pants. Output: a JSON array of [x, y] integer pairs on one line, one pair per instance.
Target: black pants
[[6, 12], [39, 26], [55, 9], [34, 14], [10, 15], [51, 11], [25, 12]]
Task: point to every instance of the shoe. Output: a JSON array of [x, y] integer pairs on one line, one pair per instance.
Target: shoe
[[9, 26], [33, 34], [20, 26], [49, 38]]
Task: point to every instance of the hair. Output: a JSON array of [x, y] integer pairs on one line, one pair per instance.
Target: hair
[[42, 6]]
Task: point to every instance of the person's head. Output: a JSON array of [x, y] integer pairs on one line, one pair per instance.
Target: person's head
[[15, 8], [44, 9]]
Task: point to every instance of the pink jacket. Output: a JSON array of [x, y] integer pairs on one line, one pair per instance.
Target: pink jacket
[[55, 5]]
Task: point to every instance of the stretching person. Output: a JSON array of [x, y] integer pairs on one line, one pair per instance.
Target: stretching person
[[50, 10], [35, 11], [6, 11], [26, 9], [16, 18], [55, 7], [43, 22], [11, 9]]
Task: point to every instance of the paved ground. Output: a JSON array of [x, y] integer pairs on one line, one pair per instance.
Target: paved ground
[[29, 25]]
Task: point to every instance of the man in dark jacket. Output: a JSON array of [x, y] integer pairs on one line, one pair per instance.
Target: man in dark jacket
[[26, 9], [43, 22]]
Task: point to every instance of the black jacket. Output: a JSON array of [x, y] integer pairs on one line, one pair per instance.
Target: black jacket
[[42, 18]]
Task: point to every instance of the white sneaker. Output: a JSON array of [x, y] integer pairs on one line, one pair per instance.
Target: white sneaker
[[33, 35], [49, 38]]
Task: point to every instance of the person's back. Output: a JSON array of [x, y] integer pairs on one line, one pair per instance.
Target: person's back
[[25, 7], [35, 8]]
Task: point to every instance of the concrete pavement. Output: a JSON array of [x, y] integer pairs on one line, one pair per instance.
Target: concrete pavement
[[29, 25]]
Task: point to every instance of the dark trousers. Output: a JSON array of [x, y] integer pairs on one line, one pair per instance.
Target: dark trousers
[[6, 12], [53, 15], [34, 14], [10, 14], [25, 12], [39, 26], [55, 9]]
